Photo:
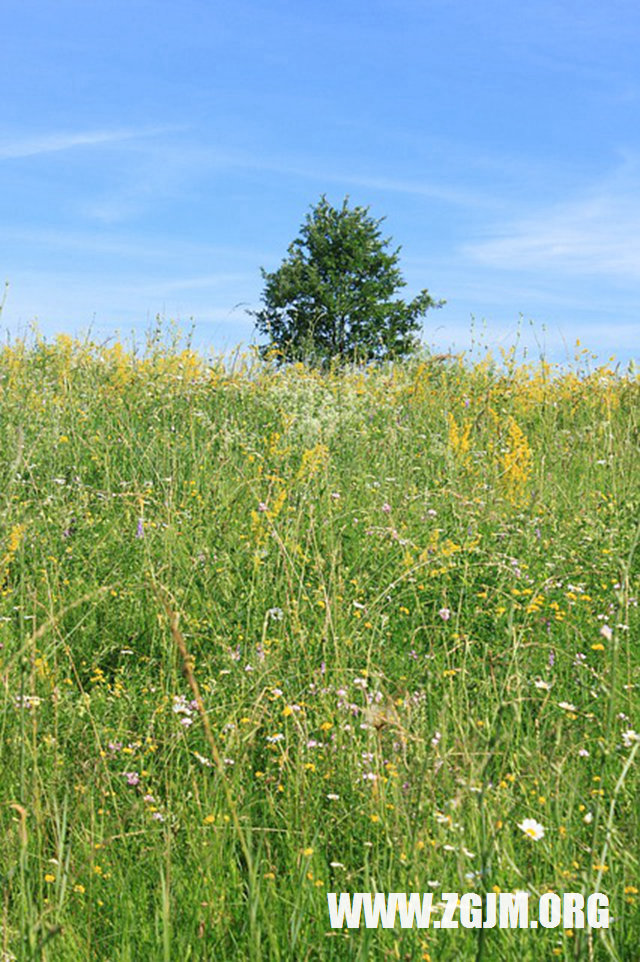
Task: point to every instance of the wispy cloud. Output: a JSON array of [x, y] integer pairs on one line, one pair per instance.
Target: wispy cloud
[[158, 248], [71, 300], [193, 158], [413, 187], [596, 234], [55, 142]]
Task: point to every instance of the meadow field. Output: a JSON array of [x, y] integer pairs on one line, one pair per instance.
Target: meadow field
[[268, 633]]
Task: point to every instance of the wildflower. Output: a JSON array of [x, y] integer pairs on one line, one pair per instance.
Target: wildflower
[[583, 753], [307, 852], [588, 818], [445, 614], [140, 529], [276, 614], [181, 706], [517, 462], [386, 507], [542, 685], [532, 828], [629, 737], [262, 507], [27, 701], [606, 632], [49, 877], [132, 778], [567, 706], [333, 797]]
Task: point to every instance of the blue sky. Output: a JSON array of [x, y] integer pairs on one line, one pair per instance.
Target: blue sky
[[154, 155]]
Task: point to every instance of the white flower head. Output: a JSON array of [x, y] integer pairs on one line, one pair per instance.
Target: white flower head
[[567, 706], [274, 739], [532, 828]]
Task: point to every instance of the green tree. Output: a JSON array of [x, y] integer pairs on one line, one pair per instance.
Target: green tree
[[333, 296]]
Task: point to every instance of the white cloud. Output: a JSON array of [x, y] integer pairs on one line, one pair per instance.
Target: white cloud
[[412, 187], [596, 234], [52, 143], [67, 299], [135, 248]]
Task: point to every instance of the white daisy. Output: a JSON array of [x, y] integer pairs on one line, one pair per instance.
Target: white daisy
[[532, 828]]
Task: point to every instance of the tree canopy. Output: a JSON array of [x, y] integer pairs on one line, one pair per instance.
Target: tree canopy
[[333, 295]]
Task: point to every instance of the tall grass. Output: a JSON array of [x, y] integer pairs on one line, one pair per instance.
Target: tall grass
[[270, 633]]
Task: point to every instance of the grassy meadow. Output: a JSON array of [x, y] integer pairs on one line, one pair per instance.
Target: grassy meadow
[[268, 633]]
